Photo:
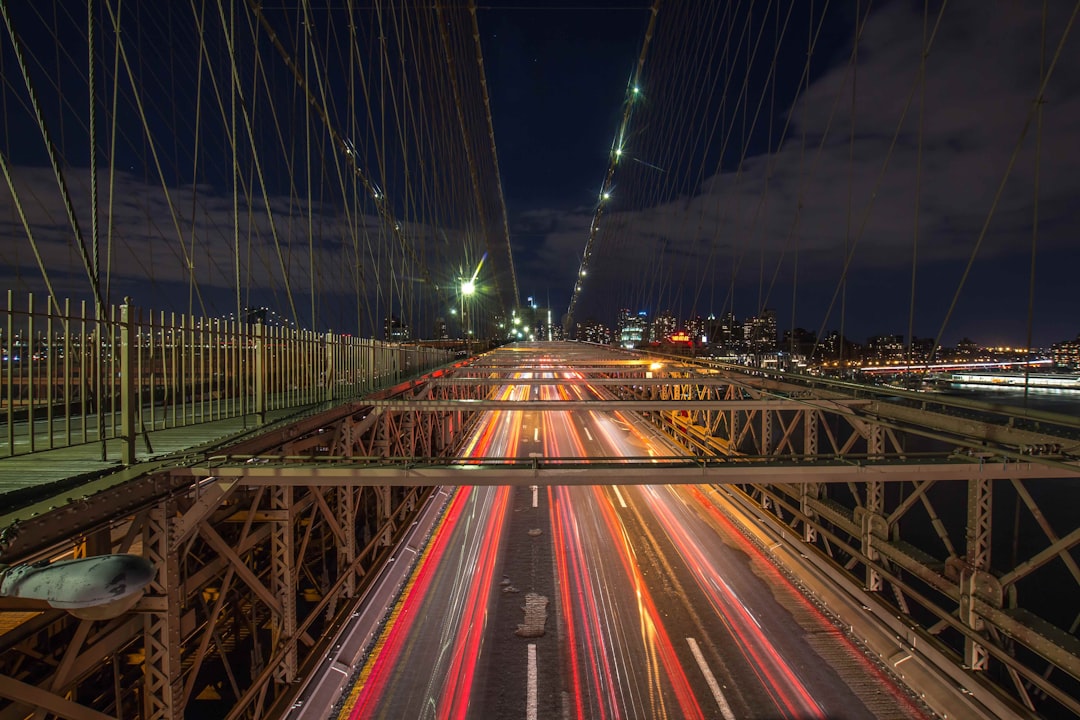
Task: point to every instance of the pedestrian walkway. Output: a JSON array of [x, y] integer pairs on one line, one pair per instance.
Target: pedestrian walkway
[[36, 478]]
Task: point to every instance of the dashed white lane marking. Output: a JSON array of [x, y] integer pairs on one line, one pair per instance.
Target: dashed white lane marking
[[535, 489], [714, 686], [622, 503], [530, 692], [588, 434], [536, 434]]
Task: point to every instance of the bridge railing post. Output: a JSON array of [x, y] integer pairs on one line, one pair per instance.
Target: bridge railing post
[[329, 380], [128, 338], [259, 347]]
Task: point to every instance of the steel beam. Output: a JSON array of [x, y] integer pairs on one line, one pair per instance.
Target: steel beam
[[517, 471]]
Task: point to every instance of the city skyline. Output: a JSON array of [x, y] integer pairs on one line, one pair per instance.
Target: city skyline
[[757, 187]]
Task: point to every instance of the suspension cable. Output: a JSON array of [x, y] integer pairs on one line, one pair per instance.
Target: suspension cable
[[54, 160]]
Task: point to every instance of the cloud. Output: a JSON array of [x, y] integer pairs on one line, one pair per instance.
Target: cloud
[[161, 239], [856, 195]]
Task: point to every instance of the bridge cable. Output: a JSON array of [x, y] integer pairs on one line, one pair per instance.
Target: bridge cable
[[616, 154], [259, 171], [1032, 111], [382, 207], [29, 233], [516, 295], [918, 181], [469, 159], [188, 258], [1035, 204], [54, 161], [850, 251]]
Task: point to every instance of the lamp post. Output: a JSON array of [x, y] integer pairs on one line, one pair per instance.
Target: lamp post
[[468, 287]]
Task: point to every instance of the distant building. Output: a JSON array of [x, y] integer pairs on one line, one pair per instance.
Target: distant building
[[724, 332], [759, 332], [799, 341], [695, 327], [396, 330], [834, 347], [885, 349], [1066, 354], [662, 326], [593, 332], [920, 349], [967, 349], [631, 328], [441, 332], [264, 316]]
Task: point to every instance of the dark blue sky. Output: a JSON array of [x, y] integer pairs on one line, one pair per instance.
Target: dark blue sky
[[710, 211], [558, 79]]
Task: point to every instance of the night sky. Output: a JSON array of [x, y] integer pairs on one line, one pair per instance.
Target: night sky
[[742, 187], [558, 81]]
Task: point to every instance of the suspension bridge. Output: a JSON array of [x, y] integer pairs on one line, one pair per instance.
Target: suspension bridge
[[268, 450]]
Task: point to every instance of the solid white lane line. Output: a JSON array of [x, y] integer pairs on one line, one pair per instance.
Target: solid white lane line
[[714, 686], [530, 693], [618, 494]]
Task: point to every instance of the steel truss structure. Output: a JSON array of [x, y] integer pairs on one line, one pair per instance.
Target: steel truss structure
[[985, 568], [251, 579], [833, 461], [263, 547]]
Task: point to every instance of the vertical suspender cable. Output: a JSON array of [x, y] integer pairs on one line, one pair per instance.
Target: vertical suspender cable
[[851, 179], [231, 30], [54, 159], [307, 166], [918, 181], [1005, 177], [802, 156], [92, 87], [1039, 102], [515, 296], [112, 160]]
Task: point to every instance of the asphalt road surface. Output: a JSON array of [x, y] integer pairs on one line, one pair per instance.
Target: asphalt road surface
[[656, 605]]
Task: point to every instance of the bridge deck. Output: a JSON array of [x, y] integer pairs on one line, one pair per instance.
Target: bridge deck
[[44, 476]]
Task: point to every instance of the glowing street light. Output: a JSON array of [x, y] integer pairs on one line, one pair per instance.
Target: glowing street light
[[468, 288]]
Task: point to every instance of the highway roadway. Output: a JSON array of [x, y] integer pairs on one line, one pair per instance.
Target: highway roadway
[[656, 606]]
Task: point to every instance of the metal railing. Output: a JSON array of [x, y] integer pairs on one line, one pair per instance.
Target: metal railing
[[71, 378]]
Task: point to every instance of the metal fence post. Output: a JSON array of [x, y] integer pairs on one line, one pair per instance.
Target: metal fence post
[[328, 342], [260, 372], [127, 383]]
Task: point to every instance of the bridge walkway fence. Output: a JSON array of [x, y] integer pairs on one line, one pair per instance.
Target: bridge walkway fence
[[111, 385]]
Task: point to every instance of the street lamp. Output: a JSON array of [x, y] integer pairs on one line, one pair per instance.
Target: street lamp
[[468, 287]]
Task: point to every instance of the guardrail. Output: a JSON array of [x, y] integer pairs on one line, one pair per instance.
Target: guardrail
[[71, 378]]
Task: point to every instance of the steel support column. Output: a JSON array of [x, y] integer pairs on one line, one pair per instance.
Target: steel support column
[[874, 523], [809, 492], [162, 689], [979, 527], [283, 552], [128, 403], [766, 431], [346, 550]]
